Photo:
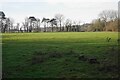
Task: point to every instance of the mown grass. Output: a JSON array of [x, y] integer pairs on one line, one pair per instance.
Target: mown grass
[[51, 55]]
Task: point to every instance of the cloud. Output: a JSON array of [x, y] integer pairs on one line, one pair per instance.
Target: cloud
[[59, 1], [77, 1], [78, 9]]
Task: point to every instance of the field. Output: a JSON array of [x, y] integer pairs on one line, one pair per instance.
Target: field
[[60, 55]]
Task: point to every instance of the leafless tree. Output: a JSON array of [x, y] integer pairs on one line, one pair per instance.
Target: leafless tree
[[68, 24], [97, 25], [59, 18], [108, 15], [26, 24], [17, 27], [113, 14], [11, 22]]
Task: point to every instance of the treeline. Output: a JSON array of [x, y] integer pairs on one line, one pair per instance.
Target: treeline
[[107, 21]]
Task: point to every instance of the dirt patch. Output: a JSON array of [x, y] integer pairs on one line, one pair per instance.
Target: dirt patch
[[108, 68], [38, 59], [91, 60], [82, 58], [110, 62], [55, 55]]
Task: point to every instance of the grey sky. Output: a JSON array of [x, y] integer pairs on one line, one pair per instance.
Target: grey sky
[[77, 10]]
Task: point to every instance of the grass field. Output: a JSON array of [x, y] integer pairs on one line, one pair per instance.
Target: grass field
[[60, 54]]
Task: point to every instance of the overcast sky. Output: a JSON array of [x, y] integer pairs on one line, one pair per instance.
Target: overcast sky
[[79, 10]]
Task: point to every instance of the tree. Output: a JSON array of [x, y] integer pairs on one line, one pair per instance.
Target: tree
[[113, 15], [3, 24], [45, 21], [53, 22], [68, 24], [26, 24], [78, 26], [74, 26], [11, 22], [32, 22], [38, 24], [17, 27], [59, 18], [112, 26], [108, 15], [97, 25]]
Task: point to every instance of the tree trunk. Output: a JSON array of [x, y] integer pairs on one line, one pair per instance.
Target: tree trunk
[[52, 28], [60, 25]]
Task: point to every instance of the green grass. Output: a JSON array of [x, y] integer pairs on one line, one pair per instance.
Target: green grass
[[29, 55]]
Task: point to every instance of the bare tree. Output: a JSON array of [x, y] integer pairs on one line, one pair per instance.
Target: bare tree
[[108, 15], [26, 24], [113, 15], [78, 26], [11, 22], [97, 25], [17, 27], [74, 26], [68, 24], [59, 18]]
